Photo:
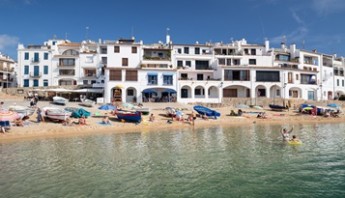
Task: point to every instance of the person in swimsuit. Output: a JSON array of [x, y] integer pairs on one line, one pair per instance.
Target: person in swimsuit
[[286, 134]]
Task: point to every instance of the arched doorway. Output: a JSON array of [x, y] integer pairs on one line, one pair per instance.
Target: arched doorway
[[116, 94], [236, 91], [131, 95], [186, 92], [213, 92], [199, 92]]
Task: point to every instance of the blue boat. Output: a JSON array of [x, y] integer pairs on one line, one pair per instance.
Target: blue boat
[[206, 111], [128, 116]]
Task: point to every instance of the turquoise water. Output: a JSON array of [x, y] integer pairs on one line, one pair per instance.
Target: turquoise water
[[248, 161]]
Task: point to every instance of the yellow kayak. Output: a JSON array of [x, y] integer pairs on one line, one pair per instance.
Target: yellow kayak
[[294, 142]]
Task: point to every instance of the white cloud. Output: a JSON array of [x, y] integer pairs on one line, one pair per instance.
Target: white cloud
[[325, 7], [7, 41], [297, 18], [293, 37]]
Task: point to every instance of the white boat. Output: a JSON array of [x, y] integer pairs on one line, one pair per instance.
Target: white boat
[[60, 100], [88, 103], [143, 110], [25, 111], [57, 114]]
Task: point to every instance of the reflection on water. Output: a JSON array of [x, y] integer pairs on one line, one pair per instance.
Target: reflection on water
[[248, 161]]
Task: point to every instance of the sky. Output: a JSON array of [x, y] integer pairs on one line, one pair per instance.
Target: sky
[[310, 24]]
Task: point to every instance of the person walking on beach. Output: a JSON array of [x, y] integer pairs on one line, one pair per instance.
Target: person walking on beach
[[286, 134]]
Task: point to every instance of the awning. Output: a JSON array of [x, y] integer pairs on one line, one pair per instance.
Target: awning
[[149, 91], [169, 90]]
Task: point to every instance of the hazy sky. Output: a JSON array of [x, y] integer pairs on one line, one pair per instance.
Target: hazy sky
[[311, 24]]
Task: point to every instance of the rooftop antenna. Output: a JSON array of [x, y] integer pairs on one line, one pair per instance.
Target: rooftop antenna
[[303, 43], [132, 32], [87, 32]]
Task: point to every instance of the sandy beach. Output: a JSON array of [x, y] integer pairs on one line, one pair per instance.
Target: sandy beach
[[51, 129]]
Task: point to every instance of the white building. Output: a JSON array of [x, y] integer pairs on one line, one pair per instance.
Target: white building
[[7, 72], [131, 71]]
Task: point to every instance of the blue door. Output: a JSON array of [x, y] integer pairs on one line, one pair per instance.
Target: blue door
[[36, 70]]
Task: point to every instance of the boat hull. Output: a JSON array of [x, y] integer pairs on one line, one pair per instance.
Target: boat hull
[[277, 107], [129, 116], [206, 111]]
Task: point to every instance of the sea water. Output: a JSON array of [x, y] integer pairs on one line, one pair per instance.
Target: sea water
[[243, 161]]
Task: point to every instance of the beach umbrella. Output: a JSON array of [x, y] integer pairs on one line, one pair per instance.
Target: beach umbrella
[[107, 107], [8, 115]]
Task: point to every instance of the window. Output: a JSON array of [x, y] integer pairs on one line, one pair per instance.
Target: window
[[115, 75], [124, 61], [85, 82], [131, 75], [199, 92], [199, 77], [36, 57], [296, 76], [290, 80], [184, 76], [186, 50], [26, 56], [117, 49], [167, 79], [342, 83], [67, 62], [35, 82], [130, 92], [104, 50], [267, 76], [179, 63], [45, 69], [152, 79], [237, 75], [253, 52], [221, 61], [228, 62], [36, 70], [45, 57], [337, 82], [104, 60], [45, 83], [179, 50], [188, 63], [134, 50], [278, 92], [237, 61], [26, 69], [201, 64], [197, 50], [26, 83], [252, 61]]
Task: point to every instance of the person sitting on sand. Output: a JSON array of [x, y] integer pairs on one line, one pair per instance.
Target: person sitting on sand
[[240, 112], [19, 122], [262, 115], [82, 120], [286, 134], [105, 120], [232, 113], [152, 118]]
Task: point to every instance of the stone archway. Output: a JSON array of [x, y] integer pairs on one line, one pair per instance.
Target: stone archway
[[186, 92]]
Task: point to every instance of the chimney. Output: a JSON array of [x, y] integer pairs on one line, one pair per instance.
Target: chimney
[[267, 45], [293, 48], [282, 44]]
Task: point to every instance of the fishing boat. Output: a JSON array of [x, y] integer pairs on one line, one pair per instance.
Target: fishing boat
[[55, 113], [59, 100], [128, 116], [25, 111], [88, 103], [277, 107], [206, 111]]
